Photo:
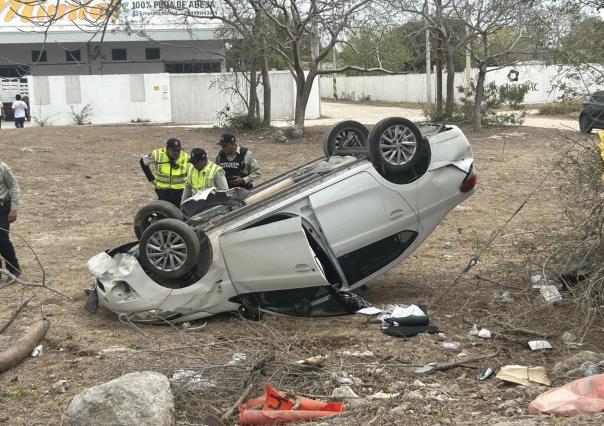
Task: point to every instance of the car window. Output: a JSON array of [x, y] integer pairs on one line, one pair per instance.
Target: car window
[[598, 98], [365, 261]]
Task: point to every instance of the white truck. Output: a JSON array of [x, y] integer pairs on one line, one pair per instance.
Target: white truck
[[9, 88]]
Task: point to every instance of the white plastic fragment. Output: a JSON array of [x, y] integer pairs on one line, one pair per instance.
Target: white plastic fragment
[[550, 293], [238, 358], [536, 279], [38, 350], [383, 395], [484, 333], [451, 346], [473, 331], [539, 345]]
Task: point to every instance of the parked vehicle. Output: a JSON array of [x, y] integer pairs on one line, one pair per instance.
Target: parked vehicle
[[592, 113], [296, 244]]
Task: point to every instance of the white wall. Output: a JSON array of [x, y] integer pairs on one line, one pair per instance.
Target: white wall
[[109, 96], [412, 87], [179, 98]]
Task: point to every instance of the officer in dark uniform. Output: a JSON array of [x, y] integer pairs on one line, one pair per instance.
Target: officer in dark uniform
[[239, 164]]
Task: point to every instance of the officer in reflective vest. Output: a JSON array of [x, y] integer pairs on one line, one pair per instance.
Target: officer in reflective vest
[[239, 164], [203, 174], [167, 169]]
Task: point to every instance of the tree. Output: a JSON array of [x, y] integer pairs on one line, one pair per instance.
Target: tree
[[497, 30], [295, 26]]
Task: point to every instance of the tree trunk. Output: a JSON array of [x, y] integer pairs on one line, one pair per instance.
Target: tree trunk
[[450, 82], [439, 76], [266, 91], [303, 86], [253, 98], [482, 72]]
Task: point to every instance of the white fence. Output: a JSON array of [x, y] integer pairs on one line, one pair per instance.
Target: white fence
[[412, 87], [190, 98]]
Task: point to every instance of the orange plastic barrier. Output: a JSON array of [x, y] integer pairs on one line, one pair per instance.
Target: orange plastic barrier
[[583, 396], [275, 407]]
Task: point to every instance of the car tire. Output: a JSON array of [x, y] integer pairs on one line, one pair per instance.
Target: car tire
[[396, 146], [584, 124], [157, 210], [169, 249], [346, 138]]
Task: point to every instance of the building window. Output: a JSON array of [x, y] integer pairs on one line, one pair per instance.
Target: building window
[[119, 54], [73, 55], [152, 53], [192, 67], [36, 57]]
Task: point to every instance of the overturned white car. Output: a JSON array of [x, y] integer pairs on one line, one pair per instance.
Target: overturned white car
[[295, 244]]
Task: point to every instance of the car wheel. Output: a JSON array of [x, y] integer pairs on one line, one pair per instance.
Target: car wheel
[[346, 138], [169, 248], [157, 210], [396, 146], [585, 124]]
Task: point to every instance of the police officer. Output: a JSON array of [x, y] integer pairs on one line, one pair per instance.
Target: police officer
[[203, 174], [167, 169], [239, 164], [10, 194]]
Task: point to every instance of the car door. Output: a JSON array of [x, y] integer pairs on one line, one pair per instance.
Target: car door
[[596, 109], [359, 211], [271, 257]]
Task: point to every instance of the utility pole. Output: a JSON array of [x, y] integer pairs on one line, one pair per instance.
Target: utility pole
[[468, 59], [428, 60]]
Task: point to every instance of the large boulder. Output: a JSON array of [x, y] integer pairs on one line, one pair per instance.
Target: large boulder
[[133, 399]]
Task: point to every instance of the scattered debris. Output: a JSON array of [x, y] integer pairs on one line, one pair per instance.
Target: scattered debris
[[276, 407], [191, 380], [503, 297], [357, 354], [316, 361], [406, 321], [383, 395], [238, 358], [483, 333], [550, 293], [343, 392], [432, 367], [581, 397], [590, 369], [540, 345], [135, 399], [452, 346], [38, 350], [523, 375], [486, 374]]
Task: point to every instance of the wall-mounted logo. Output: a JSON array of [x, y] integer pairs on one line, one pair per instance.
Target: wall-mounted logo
[[513, 75]]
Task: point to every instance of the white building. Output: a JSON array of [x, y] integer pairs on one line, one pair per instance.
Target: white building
[[39, 38]]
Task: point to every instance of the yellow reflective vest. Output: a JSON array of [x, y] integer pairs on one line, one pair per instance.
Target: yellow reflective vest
[[204, 178], [167, 175]]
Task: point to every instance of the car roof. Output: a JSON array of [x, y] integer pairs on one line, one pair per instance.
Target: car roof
[[598, 93]]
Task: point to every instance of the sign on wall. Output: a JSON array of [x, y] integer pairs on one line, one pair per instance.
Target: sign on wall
[[85, 14]]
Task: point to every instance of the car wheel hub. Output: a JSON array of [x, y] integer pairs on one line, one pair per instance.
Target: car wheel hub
[[348, 139], [166, 250], [398, 144]]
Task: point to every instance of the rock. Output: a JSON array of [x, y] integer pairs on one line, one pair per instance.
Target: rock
[[343, 392], [277, 133], [416, 394], [509, 412], [296, 133], [575, 361], [507, 404], [60, 386], [510, 393], [419, 384], [569, 339], [396, 386], [401, 409], [130, 400], [503, 297], [281, 139]]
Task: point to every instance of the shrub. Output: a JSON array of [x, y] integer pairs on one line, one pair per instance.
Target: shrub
[[559, 108], [81, 117]]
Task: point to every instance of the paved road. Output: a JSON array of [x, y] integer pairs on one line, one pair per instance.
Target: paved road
[[333, 112]]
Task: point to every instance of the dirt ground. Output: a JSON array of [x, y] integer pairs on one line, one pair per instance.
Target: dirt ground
[[82, 187]]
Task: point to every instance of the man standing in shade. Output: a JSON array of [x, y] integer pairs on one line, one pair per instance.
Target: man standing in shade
[[167, 169], [10, 194], [239, 164]]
